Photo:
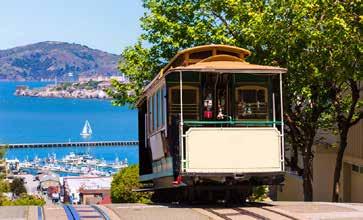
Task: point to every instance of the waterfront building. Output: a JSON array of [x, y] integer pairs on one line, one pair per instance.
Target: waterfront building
[[49, 180], [95, 196], [97, 78], [101, 78], [70, 77], [12, 166], [50, 185], [86, 189]]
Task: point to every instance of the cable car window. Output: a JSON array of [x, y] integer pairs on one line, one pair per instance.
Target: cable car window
[[261, 95], [248, 96], [160, 108], [190, 102], [163, 106], [189, 96], [150, 114], [155, 111], [251, 103]]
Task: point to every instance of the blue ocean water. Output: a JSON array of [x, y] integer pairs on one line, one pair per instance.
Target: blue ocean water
[[31, 119]]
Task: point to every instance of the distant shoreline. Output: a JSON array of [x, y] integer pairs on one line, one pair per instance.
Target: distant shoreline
[[75, 90], [54, 97]]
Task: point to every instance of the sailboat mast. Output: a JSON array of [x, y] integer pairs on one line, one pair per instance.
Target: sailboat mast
[[87, 130]]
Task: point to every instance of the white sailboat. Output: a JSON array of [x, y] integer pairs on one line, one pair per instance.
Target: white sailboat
[[87, 130]]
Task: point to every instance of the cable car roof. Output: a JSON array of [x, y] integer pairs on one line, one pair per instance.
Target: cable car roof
[[227, 64], [214, 58]]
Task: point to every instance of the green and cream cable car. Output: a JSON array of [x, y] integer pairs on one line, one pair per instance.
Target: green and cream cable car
[[211, 126]]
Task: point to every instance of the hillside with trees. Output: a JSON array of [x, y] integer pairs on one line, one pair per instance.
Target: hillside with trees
[[50, 59]]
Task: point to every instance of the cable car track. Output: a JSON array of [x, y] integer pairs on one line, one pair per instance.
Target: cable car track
[[232, 212], [280, 213], [83, 212], [40, 213]]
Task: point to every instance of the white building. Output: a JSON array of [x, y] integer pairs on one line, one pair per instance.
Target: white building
[[73, 185]]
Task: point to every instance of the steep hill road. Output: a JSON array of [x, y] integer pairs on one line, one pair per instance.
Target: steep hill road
[[256, 211]]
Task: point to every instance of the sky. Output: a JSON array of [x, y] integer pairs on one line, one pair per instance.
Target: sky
[[108, 25]]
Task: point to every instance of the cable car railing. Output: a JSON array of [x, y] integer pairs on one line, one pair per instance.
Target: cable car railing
[[231, 122]]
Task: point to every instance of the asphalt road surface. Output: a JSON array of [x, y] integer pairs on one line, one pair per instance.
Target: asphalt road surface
[[251, 211]]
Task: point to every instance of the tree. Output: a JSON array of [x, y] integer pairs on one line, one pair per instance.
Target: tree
[[17, 187], [4, 186], [123, 184], [347, 113], [344, 64], [296, 45], [291, 34], [138, 69]]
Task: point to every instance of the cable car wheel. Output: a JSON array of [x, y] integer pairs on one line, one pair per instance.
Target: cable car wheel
[[199, 195]]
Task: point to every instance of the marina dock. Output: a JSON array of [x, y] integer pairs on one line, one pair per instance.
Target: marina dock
[[75, 144]]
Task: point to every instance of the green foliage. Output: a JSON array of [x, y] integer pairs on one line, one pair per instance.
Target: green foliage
[[138, 65], [122, 185], [23, 201], [259, 194], [2, 152], [4, 186], [301, 32], [17, 187]]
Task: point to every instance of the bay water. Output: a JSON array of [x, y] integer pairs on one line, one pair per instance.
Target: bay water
[[44, 120]]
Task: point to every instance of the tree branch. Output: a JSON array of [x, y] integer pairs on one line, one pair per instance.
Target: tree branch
[[355, 97], [224, 21], [360, 116]]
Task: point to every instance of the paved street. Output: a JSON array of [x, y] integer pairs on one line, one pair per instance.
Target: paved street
[[161, 212], [265, 211], [15, 212]]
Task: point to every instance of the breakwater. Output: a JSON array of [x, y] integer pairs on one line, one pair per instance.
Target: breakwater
[[75, 144]]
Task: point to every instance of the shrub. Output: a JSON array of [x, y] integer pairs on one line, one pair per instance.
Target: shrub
[[122, 185], [259, 194], [23, 200], [4, 186]]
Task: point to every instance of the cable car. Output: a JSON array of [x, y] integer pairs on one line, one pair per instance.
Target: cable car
[[211, 126]]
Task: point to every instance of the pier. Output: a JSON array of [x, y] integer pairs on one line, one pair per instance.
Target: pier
[[75, 144]]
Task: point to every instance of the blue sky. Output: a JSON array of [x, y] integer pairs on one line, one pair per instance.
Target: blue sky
[[108, 25]]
